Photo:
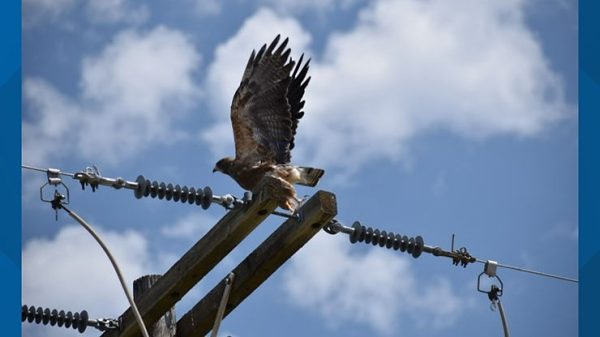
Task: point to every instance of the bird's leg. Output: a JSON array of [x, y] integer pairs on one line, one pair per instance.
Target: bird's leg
[[299, 203], [292, 204], [302, 201]]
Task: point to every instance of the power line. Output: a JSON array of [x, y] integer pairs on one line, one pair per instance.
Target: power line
[[144, 188], [533, 272], [138, 317], [357, 233], [416, 246], [39, 169]]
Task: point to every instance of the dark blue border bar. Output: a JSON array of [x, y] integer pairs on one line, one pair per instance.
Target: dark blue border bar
[[589, 166], [10, 152]]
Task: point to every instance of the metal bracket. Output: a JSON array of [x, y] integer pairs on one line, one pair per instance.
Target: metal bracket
[[57, 197], [223, 304], [104, 324], [490, 268], [498, 291], [54, 180]]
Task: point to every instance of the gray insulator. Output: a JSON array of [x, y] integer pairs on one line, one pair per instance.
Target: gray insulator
[[183, 194], [375, 239], [389, 240], [397, 241], [161, 190], [38, 315], [61, 318], [154, 189], [139, 191], [419, 247], [198, 197], [368, 235], [46, 317], [207, 197], [383, 239], [169, 192], [68, 319], [53, 317], [77, 320], [31, 314], [411, 245], [176, 193], [147, 188], [83, 321], [191, 195], [403, 243], [354, 237]]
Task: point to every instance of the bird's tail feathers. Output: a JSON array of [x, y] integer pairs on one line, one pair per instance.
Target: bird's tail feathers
[[309, 176]]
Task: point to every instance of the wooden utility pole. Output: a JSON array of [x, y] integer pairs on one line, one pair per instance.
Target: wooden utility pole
[[166, 325]]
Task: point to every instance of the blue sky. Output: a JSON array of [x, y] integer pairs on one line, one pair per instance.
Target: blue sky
[[429, 117]]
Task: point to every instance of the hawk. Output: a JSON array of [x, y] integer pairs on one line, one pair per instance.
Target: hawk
[[265, 112]]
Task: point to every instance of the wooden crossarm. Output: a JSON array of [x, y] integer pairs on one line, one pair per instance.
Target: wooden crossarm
[[261, 263]]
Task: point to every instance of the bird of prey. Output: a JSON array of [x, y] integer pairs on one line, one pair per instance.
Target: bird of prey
[[265, 112]]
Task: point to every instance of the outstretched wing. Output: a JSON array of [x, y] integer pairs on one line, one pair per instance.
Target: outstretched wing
[[262, 120], [294, 95]]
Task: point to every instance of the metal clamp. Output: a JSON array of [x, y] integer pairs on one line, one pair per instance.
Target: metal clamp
[[490, 268], [55, 180], [104, 324]]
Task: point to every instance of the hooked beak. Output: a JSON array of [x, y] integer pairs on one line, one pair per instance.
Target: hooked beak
[[215, 170]]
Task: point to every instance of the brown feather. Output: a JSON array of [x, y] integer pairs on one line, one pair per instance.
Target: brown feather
[[260, 113], [265, 111]]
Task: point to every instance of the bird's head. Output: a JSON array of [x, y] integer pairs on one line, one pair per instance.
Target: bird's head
[[223, 165]]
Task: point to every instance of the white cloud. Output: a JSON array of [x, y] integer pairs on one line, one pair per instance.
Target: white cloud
[[49, 7], [112, 11], [51, 124], [561, 231], [191, 227], [131, 93], [295, 6], [225, 73], [325, 277], [208, 7], [98, 11], [440, 184], [405, 68], [71, 272]]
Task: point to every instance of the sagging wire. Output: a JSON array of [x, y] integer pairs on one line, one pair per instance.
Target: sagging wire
[[56, 205]]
